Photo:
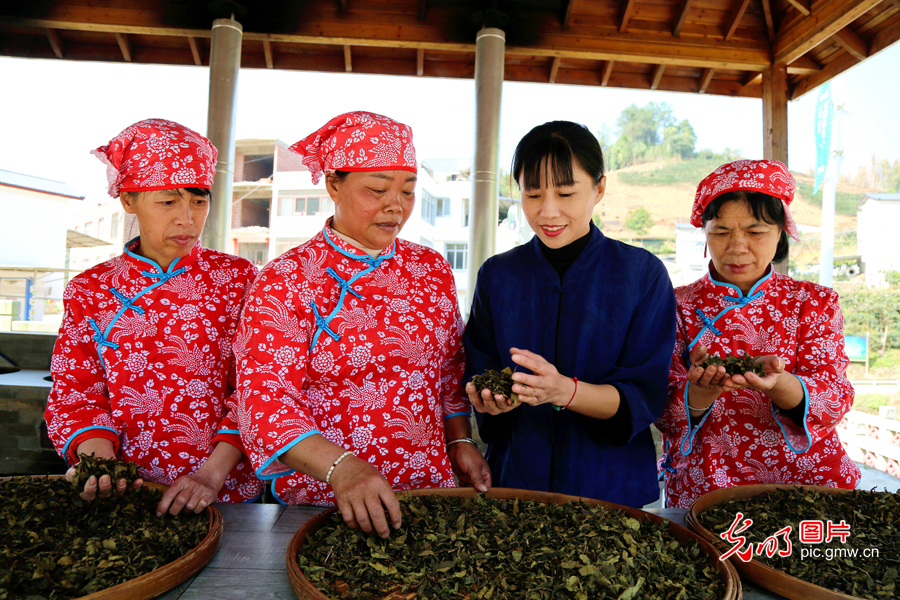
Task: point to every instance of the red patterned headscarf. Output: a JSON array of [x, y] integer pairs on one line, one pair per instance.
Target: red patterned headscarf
[[767, 176], [156, 154], [358, 141]]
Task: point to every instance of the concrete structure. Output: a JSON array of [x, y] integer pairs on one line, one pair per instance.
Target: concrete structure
[[107, 222], [689, 264], [878, 218]]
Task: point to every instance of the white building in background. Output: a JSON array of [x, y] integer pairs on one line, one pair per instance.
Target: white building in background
[[33, 242], [690, 262], [106, 222], [878, 219]]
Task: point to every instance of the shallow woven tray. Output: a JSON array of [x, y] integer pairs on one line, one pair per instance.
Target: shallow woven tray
[[166, 577], [305, 590], [755, 571]]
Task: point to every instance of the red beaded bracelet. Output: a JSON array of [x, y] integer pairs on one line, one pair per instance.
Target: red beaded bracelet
[[570, 399]]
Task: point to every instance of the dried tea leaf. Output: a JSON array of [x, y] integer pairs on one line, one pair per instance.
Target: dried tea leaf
[[736, 365], [92, 465], [499, 382]]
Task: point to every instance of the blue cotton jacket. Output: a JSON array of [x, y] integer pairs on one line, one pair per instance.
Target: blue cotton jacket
[[610, 320]]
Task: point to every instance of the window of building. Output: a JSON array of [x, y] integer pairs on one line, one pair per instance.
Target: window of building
[[101, 222], [426, 242], [443, 207], [257, 253], [114, 226], [304, 202], [282, 245], [429, 207], [457, 255], [89, 228]]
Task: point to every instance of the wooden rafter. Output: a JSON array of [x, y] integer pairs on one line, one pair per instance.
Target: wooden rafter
[[804, 66], [852, 43], [804, 35], [627, 11], [770, 22], [607, 71], [567, 14], [342, 5], [423, 9], [802, 6], [705, 79], [736, 19], [420, 62], [195, 50], [348, 59], [684, 8], [55, 42], [267, 50], [554, 69], [896, 4], [124, 46], [657, 76]]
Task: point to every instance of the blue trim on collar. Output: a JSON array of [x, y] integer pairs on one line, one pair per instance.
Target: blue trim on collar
[[275, 456], [740, 295], [65, 450], [372, 262]]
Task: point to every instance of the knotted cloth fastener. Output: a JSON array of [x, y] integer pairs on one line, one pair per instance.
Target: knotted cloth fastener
[[126, 302], [345, 285], [744, 300], [322, 324], [99, 338], [163, 277], [708, 322]]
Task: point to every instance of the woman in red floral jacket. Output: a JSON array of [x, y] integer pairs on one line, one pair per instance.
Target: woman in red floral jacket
[[143, 362], [719, 430]]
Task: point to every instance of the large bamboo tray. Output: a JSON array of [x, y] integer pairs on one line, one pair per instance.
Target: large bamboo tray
[[169, 575], [755, 571], [305, 590]]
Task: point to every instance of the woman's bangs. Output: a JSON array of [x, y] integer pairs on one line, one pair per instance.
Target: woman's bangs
[[551, 164]]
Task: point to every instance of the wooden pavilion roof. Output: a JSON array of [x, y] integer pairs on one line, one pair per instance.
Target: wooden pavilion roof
[[695, 46]]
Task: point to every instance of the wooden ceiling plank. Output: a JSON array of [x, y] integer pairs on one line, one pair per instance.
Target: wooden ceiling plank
[[804, 66], [657, 76], [885, 37], [683, 9], [705, 79], [896, 4], [124, 46], [195, 50], [770, 23], [627, 11], [736, 19], [802, 6], [342, 5], [567, 14], [420, 62], [833, 69], [830, 17], [55, 42], [423, 9], [852, 43], [607, 71], [348, 59], [267, 49], [554, 69]]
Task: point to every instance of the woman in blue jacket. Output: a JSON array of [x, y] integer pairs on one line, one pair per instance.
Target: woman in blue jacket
[[587, 322]]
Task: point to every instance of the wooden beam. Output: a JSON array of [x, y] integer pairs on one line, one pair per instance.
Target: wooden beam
[[804, 66], [55, 42], [195, 50], [682, 11], [705, 78], [775, 99], [267, 50], [896, 4], [852, 43], [657, 76], [124, 46], [554, 69], [420, 62], [627, 11], [830, 17], [770, 23], [348, 61], [567, 14], [736, 19], [752, 79], [607, 71], [342, 5], [802, 6], [423, 9]]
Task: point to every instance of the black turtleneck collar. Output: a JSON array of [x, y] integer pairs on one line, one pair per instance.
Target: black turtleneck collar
[[563, 258]]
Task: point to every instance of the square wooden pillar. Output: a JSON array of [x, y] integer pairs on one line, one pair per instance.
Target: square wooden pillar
[[775, 123]]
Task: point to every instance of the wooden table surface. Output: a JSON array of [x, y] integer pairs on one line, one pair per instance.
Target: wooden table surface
[[250, 562]]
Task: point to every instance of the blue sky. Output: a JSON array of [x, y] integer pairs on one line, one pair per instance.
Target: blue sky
[[60, 110]]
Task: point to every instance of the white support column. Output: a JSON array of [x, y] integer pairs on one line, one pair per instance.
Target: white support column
[[490, 44], [224, 64]]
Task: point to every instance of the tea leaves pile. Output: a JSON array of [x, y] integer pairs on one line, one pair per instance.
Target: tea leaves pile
[[736, 365], [91, 465], [485, 549], [873, 518], [55, 545], [499, 382]]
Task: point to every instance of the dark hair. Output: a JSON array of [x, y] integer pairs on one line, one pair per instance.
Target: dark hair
[[559, 142], [339, 175], [764, 208], [193, 190]]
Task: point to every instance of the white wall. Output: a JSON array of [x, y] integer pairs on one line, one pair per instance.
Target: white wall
[[32, 228], [878, 221]]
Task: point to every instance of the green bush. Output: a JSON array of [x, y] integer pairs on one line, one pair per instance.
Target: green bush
[[687, 171], [844, 202]]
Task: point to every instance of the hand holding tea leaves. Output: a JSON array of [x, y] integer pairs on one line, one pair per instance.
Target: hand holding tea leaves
[[94, 475], [491, 392]]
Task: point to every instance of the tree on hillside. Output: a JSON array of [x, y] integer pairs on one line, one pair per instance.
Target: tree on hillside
[[639, 220], [876, 310], [604, 136], [640, 131], [680, 140]]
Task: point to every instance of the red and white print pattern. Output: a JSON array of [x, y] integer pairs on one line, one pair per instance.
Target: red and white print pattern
[[162, 391], [358, 141], [381, 390], [740, 441], [155, 154]]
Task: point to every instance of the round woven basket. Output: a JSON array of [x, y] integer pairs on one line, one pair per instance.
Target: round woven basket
[[305, 590], [169, 575], [755, 571]]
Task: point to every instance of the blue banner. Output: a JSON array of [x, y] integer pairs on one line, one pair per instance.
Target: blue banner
[[824, 118]]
